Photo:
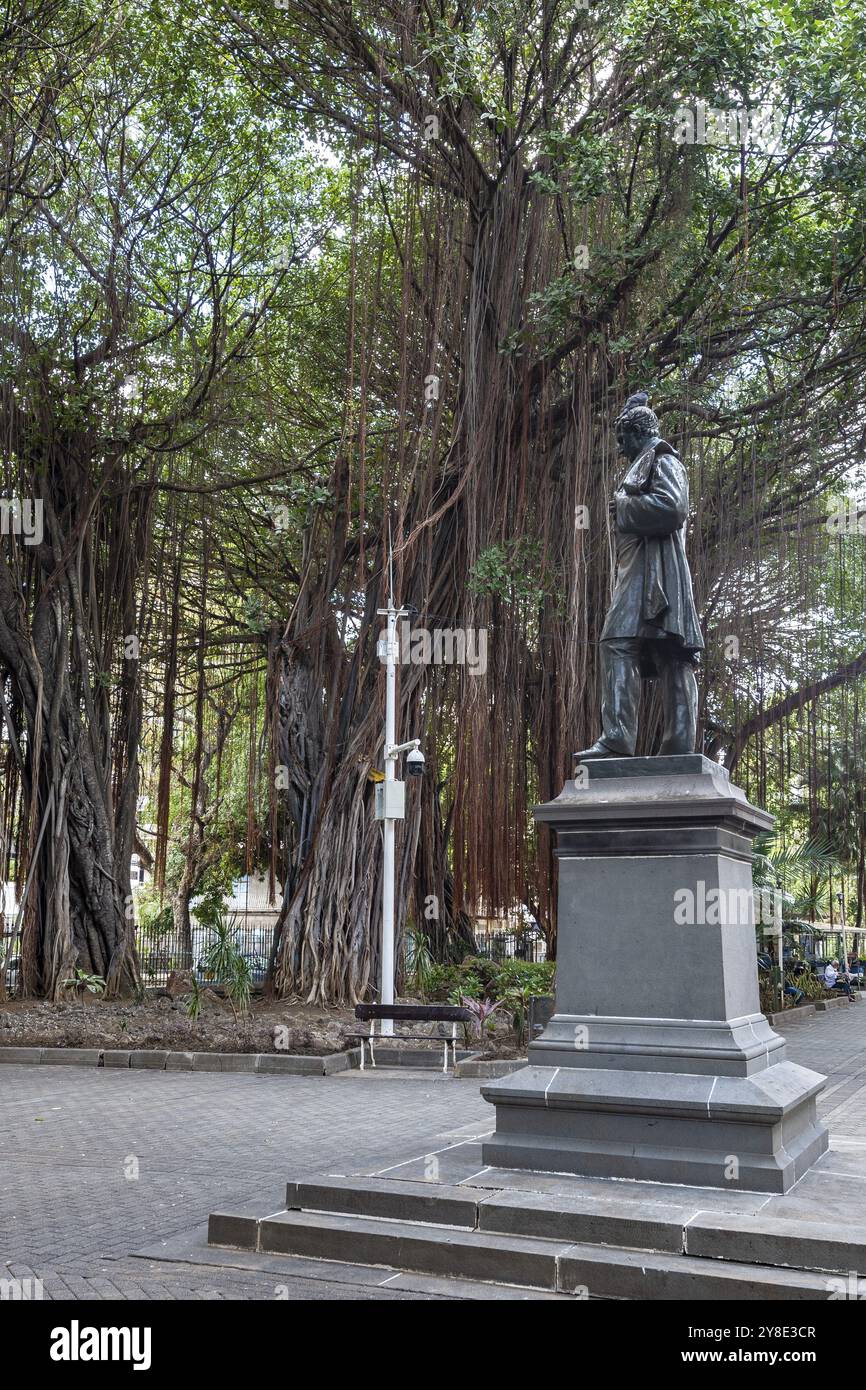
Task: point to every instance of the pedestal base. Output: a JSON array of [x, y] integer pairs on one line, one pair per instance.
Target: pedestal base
[[756, 1132], [657, 1063]]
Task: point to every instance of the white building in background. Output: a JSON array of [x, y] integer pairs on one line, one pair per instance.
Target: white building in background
[[139, 875], [251, 912], [10, 910]]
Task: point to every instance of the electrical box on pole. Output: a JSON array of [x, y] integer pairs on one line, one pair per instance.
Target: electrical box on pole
[[390, 800]]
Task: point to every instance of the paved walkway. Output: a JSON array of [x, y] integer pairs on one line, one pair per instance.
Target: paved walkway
[[97, 1163]]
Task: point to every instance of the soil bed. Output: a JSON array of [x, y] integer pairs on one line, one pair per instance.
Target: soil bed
[[160, 1022]]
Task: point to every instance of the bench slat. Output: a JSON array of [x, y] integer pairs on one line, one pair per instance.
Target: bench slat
[[431, 1013]]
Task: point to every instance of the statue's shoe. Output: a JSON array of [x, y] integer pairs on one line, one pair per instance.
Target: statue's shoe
[[598, 750]]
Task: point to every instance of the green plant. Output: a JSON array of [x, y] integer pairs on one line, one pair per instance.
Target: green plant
[[94, 984], [239, 986], [768, 994], [481, 1010], [419, 963], [808, 982], [511, 983], [195, 1000], [225, 963], [448, 982]]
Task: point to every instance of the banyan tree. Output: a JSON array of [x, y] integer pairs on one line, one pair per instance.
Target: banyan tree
[[468, 232]]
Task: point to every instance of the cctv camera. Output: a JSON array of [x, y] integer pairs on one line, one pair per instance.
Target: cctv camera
[[415, 762]]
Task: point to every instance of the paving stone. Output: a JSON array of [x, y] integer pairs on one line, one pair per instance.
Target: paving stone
[[399, 1201], [837, 1247], [275, 1062], [425, 1249], [600, 1273], [238, 1061], [71, 1056], [150, 1060], [22, 1056], [646, 1227], [179, 1061], [115, 1057], [218, 1142], [206, 1061]]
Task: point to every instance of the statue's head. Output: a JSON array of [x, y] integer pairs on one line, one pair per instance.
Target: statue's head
[[637, 427]]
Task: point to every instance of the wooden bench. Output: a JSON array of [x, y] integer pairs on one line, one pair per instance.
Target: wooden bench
[[409, 1013]]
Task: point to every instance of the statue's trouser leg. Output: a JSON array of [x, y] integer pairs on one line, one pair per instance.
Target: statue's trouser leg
[[620, 673], [679, 691]]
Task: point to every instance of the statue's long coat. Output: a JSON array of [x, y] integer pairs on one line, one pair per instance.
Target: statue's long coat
[[653, 597]]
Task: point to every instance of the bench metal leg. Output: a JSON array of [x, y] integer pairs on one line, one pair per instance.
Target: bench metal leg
[[363, 1049]]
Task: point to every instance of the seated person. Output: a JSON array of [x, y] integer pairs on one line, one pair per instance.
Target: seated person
[[833, 980], [792, 990]]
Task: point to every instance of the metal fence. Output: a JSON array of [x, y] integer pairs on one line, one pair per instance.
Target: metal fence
[[161, 952], [506, 945], [10, 946]]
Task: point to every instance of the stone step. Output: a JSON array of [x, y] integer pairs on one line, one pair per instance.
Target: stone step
[[404, 1245], [589, 1271], [432, 1202], [561, 1241], [757, 1238], [654, 1226], [605, 1272]]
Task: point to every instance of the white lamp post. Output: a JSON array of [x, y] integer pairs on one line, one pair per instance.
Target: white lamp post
[[391, 801]]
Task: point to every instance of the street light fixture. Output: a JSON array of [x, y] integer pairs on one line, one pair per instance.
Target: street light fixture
[[391, 799]]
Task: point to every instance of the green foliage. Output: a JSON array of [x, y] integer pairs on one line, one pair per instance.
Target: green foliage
[[419, 963], [225, 964], [155, 919], [768, 994], [482, 1010], [509, 984], [448, 983], [583, 161], [195, 1000], [508, 572], [93, 984], [802, 871], [210, 912], [808, 982]]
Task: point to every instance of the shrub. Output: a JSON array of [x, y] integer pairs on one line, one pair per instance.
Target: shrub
[[509, 983]]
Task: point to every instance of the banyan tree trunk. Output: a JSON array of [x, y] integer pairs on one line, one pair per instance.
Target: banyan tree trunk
[[80, 733], [78, 913]]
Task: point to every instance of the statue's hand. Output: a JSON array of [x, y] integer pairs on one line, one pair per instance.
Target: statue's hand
[[611, 509]]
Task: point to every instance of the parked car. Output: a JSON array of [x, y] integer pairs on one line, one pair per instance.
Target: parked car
[[257, 964], [13, 971]]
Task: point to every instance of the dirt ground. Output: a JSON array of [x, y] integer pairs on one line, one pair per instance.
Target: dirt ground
[[161, 1022]]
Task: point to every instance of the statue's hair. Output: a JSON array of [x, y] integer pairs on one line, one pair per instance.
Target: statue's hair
[[637, 414]]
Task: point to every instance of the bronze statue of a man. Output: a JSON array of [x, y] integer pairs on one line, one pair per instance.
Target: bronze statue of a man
[[651, 627]]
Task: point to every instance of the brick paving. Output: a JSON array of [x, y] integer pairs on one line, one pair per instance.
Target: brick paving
[[98, 1163]]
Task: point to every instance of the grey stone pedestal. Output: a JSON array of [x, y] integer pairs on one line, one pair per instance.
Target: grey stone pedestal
[[657, 1063]]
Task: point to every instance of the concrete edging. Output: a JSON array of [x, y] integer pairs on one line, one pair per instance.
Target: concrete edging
[[477, 1067], [153, 1059], [801, 1011]]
